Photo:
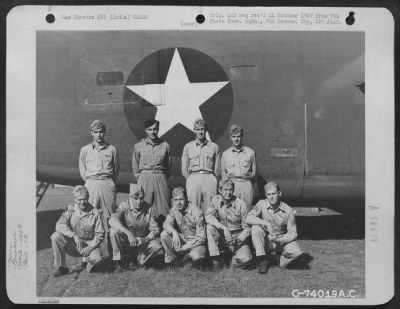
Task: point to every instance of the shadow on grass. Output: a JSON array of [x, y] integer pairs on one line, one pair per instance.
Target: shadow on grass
[[45, 226], [349, 225], [302, 262]]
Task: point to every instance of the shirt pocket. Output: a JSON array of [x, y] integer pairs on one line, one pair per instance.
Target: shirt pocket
[[107, 158], [146, 161], [194, 160], [161, 160], [233, 217], [230, 163], [92, 162], [88, 232], [246, 163], [84, 229], [210, 159]]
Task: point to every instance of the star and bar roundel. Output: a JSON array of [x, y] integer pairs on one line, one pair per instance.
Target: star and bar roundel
[[177, 86]]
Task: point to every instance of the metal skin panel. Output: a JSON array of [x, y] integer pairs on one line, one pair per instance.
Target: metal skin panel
[[319, 70]]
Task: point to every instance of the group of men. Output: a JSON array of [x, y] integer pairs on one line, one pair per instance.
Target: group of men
[[205, 219]]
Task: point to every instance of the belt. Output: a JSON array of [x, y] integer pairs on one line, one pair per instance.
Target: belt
[[99, 177], [152, 172], [240, 179], [201, 172]]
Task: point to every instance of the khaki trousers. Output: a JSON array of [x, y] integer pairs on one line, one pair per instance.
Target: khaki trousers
[[64, 245], [156, 192], [171, 254], [103, 196], [200, 189], [286, 253], [142, 253], [244, 190], [216, 243]]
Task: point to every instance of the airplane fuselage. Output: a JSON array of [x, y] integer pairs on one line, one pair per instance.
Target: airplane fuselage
[[298, 96]]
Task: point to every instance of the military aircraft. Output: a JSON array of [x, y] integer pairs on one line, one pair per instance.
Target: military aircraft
[[298, 95]]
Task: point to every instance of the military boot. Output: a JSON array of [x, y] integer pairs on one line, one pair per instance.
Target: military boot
[[263, 264]]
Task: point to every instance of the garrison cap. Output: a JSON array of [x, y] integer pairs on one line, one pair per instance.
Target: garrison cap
[[97, 124], [200, 123], [135, 190], [150, 122]]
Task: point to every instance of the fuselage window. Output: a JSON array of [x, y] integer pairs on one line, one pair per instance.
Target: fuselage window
[[245, 72], [109, 78]]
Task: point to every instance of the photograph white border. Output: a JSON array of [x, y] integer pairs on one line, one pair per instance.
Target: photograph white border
[[378, 25]]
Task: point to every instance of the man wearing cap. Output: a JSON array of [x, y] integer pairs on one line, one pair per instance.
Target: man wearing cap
[[79, 232], [134, 232], [184, 231], [150, 164], [227, 230], [99, 167], [239, 164], [200, 167], [273, 229]]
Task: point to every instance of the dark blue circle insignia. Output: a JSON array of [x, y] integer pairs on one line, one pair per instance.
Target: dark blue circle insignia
[[176, 86]]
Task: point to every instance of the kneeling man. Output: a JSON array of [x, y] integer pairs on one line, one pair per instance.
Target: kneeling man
[[134, 231], [273, 229], [227, 228], [184, 231], [79, 232]]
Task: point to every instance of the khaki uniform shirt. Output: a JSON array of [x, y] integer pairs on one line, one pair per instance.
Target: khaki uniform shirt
[[233, 215], [189, 223], [151, 156], [238, 163], [200, 157], [141, 222], [87, 225], [281, 221], [98, 162]]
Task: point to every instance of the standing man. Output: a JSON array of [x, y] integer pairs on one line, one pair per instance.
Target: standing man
[[134, 232], [150, 164], [200, 167], [239, 164], [79, 232], [99, 167], [227, 229], [184, 231], [273, 229]]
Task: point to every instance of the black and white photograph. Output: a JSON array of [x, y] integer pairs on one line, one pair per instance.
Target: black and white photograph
[[175, 164]]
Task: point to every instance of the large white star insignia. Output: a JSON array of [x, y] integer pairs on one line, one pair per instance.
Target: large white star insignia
[[177, 100]]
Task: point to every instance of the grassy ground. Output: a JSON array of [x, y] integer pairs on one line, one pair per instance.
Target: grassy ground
[[337, 264], [334, 241]]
